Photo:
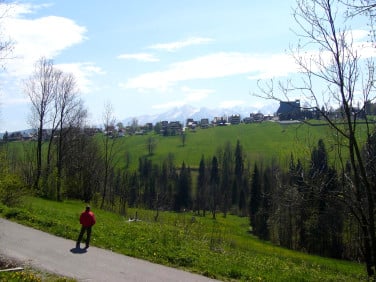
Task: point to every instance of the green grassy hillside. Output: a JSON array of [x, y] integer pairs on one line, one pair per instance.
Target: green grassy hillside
[[260, 141], [221, 248], [267, 140]]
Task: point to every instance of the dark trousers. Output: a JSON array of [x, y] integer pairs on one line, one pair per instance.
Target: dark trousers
[[88, 235]]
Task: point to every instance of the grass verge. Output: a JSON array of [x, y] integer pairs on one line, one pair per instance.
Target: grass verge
[[221, 248]]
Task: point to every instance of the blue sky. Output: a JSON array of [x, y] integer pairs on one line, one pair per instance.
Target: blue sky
[[145, 57]]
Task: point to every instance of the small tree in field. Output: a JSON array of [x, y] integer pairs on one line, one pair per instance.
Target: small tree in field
[[151, 144]]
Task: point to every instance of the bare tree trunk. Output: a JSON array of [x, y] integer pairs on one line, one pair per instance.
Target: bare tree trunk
[[40, 89], [108, 142]]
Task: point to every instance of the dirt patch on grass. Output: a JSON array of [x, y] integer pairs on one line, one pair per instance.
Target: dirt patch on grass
[[6, 262]]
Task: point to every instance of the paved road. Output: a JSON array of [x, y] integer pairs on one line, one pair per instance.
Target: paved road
[[58, 255]]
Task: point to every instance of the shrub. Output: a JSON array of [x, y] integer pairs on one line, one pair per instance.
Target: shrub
[[12, 189]]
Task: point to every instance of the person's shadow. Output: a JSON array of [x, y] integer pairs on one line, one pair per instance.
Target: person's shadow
[[78, 250]]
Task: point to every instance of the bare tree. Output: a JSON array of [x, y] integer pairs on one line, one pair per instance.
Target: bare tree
[[6, 45], [71, 115], [108, 146], [327, 55], [40, 88], [55, 103], [359, 7], [53, 115]]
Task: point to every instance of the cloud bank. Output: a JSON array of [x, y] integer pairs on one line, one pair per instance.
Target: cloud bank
[[215, 65]]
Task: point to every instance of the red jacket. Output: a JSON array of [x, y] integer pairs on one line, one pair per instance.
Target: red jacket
[[87, 218]]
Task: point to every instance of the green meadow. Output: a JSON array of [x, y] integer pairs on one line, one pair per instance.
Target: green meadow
[[260, 141], [222, 248], [266, 142]]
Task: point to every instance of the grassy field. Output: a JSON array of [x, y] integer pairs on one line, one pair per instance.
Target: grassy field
[[221, 248], [260, 141], [266, 141]]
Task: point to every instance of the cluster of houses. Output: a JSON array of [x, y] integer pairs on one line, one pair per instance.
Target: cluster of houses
[[224, 121], [18, 135], [173, 127], [46, 134]]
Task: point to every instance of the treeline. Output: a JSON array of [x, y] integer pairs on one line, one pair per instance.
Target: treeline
[[302, 208], [220, 184], [313, 207]]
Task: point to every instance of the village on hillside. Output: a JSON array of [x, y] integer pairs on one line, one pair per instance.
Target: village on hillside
[[287, 111]]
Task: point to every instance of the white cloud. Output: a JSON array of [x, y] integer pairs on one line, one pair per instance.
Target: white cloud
[[82, 72], [365, 49], [358, 34], [48, 36], [173, 46], [195, 95], [215, 66], [34, 38], [17, 9], [144, 57]]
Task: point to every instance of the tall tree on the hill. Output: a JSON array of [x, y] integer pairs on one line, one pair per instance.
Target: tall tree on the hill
[[245, 188], [268, 190], [226, 178], [41, 90], [296, 181], [239, 170], [169, 178], [255, 199], [319, 161], [312, 195], [214, 187], [202, 187], [134, 195], [145, 169], [53, 118], [108, 148], [71, 116], [82, 167], [183, 198], [164, 183]]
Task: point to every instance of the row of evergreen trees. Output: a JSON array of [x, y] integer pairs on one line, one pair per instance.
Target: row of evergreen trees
[[304, 208], [220, 184]]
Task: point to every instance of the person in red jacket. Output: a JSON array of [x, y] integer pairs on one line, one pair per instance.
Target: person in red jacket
[[87, 220]]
